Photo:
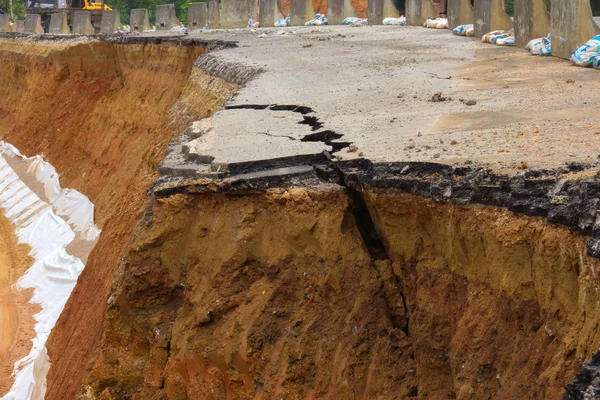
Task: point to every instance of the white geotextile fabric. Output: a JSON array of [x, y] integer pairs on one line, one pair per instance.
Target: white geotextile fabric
[[54, 272], [75, 207]]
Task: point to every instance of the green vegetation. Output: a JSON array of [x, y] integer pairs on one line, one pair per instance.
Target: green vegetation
[[18, 8], [125, 6]]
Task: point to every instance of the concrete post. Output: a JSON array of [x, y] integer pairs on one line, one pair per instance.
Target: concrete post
[[110, 23], [214, 15], [5, 23], [236, 13], [33, 24], [572, 25], [532, 20], [417, 11], [59, 24], [301, 11], [490, 16], [460, 12], [19, 26], [348, 10], [166, 17], [269, 12], [197, 16], [381, 9], [82, 23], [335, 11], [139, 20]]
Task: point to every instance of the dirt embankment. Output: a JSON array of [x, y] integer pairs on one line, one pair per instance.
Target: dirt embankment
[[103, 115], [16, 314], [273, 295]]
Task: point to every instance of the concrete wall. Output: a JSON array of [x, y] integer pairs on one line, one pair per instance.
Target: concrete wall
[[571, 26], [5, 23], [59, 24], [82, 23], [532, 20], [139, 20], [417, 11], [33, 24], [301, 11], [197, 15], [236, 13], [111, 22], [460, 12], [214, 15], [269, 13], [490, 16], [166, 17]]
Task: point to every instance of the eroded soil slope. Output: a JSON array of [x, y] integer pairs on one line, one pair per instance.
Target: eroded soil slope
[[102, 113], [274, 295]]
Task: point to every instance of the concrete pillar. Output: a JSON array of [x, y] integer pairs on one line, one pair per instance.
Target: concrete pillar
[[572, 25], [59, 24], [335, 11], [33, 24], [214, 15], [532, 20], [5, 23], [19, 26], [269, 12], [490, 16], [236, 13], [110, 23], [301, 11], [82, 23], [460, 12], [381, 9], [139, 20], [166, 17], [197, 15], [349, 10], [417, 11]]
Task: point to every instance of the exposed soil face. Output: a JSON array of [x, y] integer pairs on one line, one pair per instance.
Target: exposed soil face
[[103, 115], [274, 294], [16, 314]]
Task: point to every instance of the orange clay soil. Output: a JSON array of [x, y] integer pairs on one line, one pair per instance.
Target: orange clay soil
[[16, 314], [103, 115], [273, 295]]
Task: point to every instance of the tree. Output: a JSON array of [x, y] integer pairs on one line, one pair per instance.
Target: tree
[[18, 8], [125, 7]]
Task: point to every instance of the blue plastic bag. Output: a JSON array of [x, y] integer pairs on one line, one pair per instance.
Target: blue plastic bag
[[588, 55]]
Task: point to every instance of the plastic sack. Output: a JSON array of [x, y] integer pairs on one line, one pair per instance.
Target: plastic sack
[[534, 46], [461, 30], [470, 31], [546, 49], [283, 22], [507, 41], [355, 21], [487, 38], [253, 24], [319, 20], [588, 54], [395, 21], [436, 23]]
